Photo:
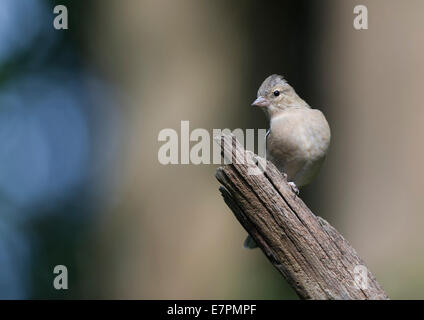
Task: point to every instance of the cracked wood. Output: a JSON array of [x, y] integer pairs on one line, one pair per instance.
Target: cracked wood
[[311, 255]]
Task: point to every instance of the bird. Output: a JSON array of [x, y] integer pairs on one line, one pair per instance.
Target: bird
[[298, 137]]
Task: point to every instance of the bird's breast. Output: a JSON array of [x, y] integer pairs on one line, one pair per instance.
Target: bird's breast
[[297, 136]]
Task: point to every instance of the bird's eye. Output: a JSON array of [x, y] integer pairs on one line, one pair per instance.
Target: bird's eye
[[276, 93]]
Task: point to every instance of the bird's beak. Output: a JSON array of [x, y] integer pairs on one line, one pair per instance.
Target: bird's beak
[[260, 102]]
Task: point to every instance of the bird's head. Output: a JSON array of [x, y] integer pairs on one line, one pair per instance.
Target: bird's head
[[276, 95]]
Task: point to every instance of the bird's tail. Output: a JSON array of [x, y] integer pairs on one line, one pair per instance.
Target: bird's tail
[[249, 243]]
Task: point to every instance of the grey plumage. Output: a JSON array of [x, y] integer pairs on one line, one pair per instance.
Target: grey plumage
[[299, 136]]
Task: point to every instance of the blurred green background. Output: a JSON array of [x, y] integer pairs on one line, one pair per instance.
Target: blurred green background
[[81, 109]]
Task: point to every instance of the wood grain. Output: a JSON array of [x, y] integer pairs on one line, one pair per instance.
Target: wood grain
[[311, 255]]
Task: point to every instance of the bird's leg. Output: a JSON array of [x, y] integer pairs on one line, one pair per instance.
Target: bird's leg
[[294, 188]]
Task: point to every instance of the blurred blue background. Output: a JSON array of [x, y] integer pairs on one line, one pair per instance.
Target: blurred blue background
[[59, 138]]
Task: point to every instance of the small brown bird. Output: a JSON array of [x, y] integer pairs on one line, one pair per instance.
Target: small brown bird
[[299, 136]]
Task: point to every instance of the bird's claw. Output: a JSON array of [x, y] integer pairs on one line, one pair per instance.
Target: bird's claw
[[294, 188]]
